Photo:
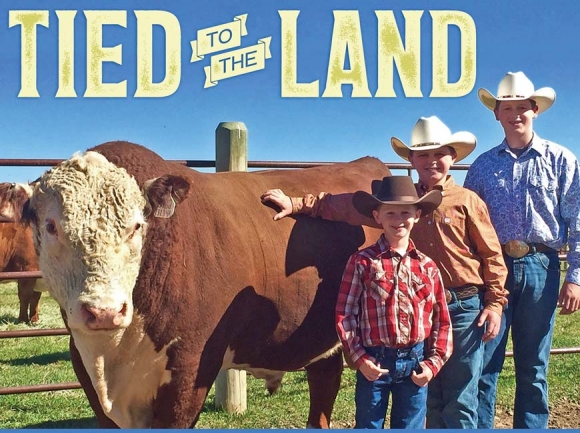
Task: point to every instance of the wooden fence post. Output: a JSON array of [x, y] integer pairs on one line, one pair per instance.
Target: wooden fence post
[[231, 147], [231, 150]]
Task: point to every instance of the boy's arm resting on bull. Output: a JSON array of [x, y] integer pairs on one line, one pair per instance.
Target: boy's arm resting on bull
[[331, 207]]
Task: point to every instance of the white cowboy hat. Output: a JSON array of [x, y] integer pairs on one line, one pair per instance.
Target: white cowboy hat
[[431, 133], [515, 86]]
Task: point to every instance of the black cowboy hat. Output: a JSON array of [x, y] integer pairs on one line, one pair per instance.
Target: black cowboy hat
[[395, 190]]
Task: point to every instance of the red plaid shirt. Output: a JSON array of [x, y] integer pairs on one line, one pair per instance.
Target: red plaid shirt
[[393, 301]]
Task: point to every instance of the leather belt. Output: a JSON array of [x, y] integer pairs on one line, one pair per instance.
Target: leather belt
[[463, 292], [518, 249]]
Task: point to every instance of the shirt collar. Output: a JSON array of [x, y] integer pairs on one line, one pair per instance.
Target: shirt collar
[[386, 249], [423, 189], [537, 144]]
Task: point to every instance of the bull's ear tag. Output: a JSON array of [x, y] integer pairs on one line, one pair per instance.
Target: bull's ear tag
[[166, 209]]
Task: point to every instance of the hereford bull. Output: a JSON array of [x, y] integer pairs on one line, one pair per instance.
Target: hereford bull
[[17, 255], [165, 276]]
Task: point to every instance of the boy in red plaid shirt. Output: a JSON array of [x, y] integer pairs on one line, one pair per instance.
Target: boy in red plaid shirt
[[391, 312]]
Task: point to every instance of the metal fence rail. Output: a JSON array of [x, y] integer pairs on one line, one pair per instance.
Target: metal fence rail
[[29, 389], [22, 333], [205, 163], [25, 389]]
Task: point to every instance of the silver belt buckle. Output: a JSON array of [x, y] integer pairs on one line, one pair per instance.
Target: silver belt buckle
[[516, 249]]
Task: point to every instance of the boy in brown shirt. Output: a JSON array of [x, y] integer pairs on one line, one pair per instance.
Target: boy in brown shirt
[[460, 238]]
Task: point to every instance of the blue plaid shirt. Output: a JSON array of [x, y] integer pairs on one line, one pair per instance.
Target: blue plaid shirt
[[534, 197]]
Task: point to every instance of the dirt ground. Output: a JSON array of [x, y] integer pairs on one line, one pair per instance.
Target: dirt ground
[[564, 414]]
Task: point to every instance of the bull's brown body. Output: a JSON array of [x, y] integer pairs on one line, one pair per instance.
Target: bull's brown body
[[17, 255]]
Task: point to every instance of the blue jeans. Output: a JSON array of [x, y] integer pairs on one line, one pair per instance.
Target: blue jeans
[[534, 284], [409, 400], [452, 395]]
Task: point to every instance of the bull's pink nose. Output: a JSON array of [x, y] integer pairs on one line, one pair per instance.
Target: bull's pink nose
[[103, 318]]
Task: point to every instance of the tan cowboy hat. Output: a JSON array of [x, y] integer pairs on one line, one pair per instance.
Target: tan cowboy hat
[[398, 190], [515, 86], [431, 133]]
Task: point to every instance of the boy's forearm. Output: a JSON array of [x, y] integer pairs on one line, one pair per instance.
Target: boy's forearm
[[495, 300], [495, 294], [308, 204], [495, 276], [331, 207], [357, 358], [351, 344], [573, 259], [488, 247], [441, 337]]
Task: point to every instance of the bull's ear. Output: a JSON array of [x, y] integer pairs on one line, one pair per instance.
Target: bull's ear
[[164, 193], [14, 201]]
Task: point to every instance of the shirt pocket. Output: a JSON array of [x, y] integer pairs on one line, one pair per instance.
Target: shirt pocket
[[542, 187], [380, 286], [422, 287], [543, 182], [451, 217], [501, 183]]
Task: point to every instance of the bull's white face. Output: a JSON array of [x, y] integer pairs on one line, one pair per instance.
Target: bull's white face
[[89, 230]]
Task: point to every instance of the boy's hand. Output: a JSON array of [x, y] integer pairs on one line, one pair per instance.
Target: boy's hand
[[280, 199], [372, 371], [493, 321], [424, 377], [569, 299]]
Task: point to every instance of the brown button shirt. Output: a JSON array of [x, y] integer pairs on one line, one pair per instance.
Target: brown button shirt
[[458, 236]]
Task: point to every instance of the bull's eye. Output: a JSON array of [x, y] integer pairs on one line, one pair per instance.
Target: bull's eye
[[136, 229], [50, 228]]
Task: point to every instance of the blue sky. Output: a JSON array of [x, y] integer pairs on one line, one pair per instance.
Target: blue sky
[[538, 37]]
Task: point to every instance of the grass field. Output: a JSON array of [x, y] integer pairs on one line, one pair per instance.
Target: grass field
[[43, 360]]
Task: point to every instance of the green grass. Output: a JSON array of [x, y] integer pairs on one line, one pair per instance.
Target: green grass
[[43, 360], [563, 371]]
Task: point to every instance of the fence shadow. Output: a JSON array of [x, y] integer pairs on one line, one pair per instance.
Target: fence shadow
[[81, 423], [49, 358], [9, 319]]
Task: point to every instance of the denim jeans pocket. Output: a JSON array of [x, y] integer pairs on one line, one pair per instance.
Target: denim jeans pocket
[[404, 367], [549, 262], [470, 304], [400, 362]]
